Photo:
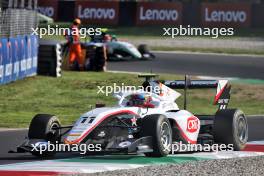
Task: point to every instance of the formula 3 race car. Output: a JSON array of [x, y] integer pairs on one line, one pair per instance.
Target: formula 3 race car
[[145, 121], [121, 50]]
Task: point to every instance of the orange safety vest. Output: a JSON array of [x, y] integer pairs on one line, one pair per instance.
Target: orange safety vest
[[73, 37], [75, 46]]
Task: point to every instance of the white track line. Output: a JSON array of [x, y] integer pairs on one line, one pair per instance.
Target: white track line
[[205, 53], [12, 129], [89, 167]]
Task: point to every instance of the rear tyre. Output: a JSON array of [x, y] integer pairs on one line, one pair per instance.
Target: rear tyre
[[231, 127], [43, 126], [157, 126], [143, 49]]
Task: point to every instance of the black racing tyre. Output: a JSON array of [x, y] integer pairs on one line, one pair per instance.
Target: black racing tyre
[[231, 127], [41, 127], [157, 126], [143, 49]]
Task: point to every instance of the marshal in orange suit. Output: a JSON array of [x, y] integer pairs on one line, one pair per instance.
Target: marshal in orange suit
[[75, 45]]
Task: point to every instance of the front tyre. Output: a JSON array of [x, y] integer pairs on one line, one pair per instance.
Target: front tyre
[[157, 126], [231, 127], [44, 126]]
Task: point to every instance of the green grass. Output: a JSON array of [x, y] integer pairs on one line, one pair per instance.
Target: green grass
[[75, 92], [249, 32]]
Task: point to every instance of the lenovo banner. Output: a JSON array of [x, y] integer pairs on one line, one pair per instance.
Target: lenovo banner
[[97, 12], [226, 15], [48, 8], [155, 13]]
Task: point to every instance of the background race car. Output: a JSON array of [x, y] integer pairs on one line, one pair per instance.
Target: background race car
[[121, 50]]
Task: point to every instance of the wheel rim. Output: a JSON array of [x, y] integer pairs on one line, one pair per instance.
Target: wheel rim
[[242, 129], [52, 129], [165, 136]]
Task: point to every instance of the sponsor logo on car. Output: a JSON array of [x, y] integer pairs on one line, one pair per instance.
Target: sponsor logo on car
[[124, 144], [75, 134], [192, 124]]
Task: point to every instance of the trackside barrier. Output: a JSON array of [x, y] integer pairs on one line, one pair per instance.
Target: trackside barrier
[[22, 56], [18, 58], [14, 58], [133, 13], [34, 52], [1, 63], [49, 58]]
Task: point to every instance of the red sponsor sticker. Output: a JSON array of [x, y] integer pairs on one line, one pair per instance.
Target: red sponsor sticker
[[192, 124]]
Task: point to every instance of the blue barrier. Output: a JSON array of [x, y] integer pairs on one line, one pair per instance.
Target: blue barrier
[[34, 52], [22, 56], [28, 55], [14, 58], [1, 64], [18, 58], [6, 61]]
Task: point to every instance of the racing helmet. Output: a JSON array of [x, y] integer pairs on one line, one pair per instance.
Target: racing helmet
[[107, 38], [140, 100]]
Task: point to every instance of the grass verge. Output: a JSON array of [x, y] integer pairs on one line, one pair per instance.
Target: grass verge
[[75, 92]]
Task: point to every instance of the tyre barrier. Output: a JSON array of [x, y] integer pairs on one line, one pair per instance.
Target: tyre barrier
[[95, 58], [50, 58], [18, 58]]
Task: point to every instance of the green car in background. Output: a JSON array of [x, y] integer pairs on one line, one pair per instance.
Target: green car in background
[[121, 50]]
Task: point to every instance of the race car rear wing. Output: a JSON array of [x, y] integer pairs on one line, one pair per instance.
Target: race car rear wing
[[191, 84], [221, 98]]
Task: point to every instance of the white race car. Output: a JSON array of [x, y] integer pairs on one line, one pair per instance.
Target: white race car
[[145, 121]]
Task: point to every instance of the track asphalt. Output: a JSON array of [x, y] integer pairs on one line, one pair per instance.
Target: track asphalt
[[250, 67], [11, 138]]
